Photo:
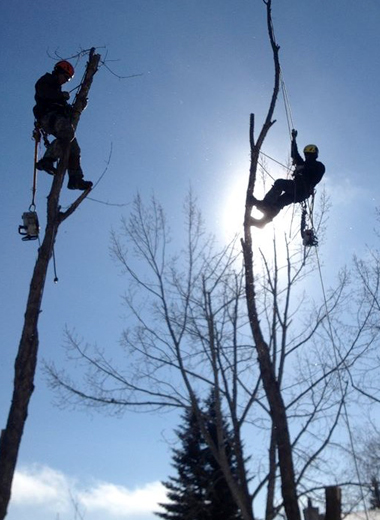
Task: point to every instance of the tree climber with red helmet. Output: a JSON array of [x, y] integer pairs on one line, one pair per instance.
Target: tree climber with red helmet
[[307, 174], [53, 115]]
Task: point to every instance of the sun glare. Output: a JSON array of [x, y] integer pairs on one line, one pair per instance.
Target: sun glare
[[284, 228], [234, 207], [286, 224]]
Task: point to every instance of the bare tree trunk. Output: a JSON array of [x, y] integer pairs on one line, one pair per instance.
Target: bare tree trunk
[[239, 491], [26, 360], [269, 509], [333, 503], [271, 384]]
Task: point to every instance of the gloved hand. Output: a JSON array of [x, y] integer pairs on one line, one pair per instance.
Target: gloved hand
[[294, 133], [66, 95]]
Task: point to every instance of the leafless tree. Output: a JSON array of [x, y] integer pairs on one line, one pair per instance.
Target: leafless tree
[[26, 360], [281, 366], [281, 441], [190, 332]]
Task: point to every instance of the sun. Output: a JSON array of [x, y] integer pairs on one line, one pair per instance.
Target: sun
[[234, 207], [282, 232]]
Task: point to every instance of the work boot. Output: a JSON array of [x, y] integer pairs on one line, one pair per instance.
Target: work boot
[[260, 223], [264, 206], [78, 183], [261, 205], [46, 164]]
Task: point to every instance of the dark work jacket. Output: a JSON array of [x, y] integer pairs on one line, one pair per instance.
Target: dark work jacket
[[49, 97], [308, 173]]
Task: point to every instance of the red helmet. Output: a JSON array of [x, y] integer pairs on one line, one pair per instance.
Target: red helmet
[[65, 67]]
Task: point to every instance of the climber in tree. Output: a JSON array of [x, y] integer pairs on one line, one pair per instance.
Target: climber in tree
[[53, 116], [307, 174]]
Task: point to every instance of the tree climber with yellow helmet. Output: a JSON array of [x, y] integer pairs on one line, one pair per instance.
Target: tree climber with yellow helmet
[[53, 115], [307, 174]]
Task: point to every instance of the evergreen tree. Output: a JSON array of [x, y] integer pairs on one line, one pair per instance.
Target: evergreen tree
[[200, 491]]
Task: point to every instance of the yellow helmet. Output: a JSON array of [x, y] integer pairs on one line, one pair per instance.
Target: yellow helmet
[[311, 148]]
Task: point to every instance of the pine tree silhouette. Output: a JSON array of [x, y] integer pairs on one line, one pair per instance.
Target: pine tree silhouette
[[200, 491]]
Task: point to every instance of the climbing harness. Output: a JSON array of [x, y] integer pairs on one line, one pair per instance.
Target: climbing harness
[[309, 238], [308, 235]]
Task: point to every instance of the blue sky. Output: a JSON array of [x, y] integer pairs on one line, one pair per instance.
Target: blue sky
[[205, 65]]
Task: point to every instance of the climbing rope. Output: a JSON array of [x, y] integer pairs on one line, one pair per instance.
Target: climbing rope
[[30, 226], [288, 110], [275, 160], [308, 235], [37, 139], [38, 132], [341, 386], [77, 88], [310, 239], [307, 211], [289, 119], [55, 267]]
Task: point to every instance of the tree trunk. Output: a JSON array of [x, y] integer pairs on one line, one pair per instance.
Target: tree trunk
[[26, 360], [333, 503], [271, 385], [269, 508], [276, 403]]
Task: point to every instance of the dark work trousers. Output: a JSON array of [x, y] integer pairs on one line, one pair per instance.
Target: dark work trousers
[[61, 128]]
